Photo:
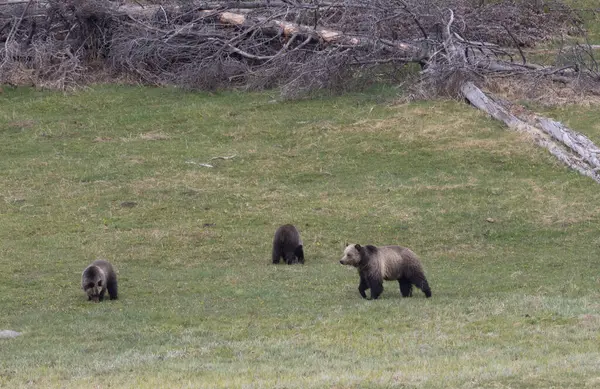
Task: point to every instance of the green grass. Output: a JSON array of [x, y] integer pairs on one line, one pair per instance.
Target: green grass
[[557, 51], [515, 304], [591, 17]]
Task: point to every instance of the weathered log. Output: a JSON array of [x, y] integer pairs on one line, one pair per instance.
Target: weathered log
[[579, 143], [563, 142]]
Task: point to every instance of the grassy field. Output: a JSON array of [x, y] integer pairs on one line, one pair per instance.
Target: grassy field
[[590, 11], [508, 237]]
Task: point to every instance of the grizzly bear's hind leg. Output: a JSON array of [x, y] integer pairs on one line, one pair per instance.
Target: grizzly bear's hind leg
[[421, 283], [111, 286], [425, 288], [405, 287], [276, 255]]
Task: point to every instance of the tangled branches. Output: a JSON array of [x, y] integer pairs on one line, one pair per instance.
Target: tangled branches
[[298, 45]]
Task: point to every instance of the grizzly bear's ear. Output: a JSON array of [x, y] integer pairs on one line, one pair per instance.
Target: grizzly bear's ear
[[357, 246]]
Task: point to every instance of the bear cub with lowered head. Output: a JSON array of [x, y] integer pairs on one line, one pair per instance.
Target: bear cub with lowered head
[[98, 278], [376, 264]]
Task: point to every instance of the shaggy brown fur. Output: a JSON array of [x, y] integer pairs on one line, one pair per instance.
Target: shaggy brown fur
[[376, 264], [98, 278]]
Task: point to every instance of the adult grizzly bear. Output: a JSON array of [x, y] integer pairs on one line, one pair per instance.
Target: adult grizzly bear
[[376, 264], [98, 278], [287, 244]]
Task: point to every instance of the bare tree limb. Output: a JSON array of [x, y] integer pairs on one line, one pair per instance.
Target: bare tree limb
[[517, 45]]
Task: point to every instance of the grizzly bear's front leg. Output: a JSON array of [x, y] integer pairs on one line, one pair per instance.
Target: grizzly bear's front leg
[[368, 281], [363, 286], [376, 287]]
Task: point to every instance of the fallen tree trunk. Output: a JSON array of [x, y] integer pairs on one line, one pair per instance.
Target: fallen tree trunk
[[579, 143], [570, 147]]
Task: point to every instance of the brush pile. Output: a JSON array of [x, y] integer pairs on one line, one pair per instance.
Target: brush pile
[[297, 45]]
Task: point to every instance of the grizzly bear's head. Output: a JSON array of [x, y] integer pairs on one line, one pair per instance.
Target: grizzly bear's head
[[351, 255], [297, 256], [94, 282]]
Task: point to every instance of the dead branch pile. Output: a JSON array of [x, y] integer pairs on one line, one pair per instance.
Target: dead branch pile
[[298, 45]]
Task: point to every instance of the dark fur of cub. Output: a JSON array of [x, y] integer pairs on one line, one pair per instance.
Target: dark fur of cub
[[287, 244], [98, 278]]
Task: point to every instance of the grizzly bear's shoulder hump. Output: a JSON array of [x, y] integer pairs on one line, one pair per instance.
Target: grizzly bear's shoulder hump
[[370, 249]]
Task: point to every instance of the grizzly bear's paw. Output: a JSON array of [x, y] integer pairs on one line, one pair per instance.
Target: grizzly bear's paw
[[362, 293]]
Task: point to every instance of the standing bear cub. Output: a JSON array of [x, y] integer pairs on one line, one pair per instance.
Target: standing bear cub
[[98, 278], [376, 264], [287, 244]]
